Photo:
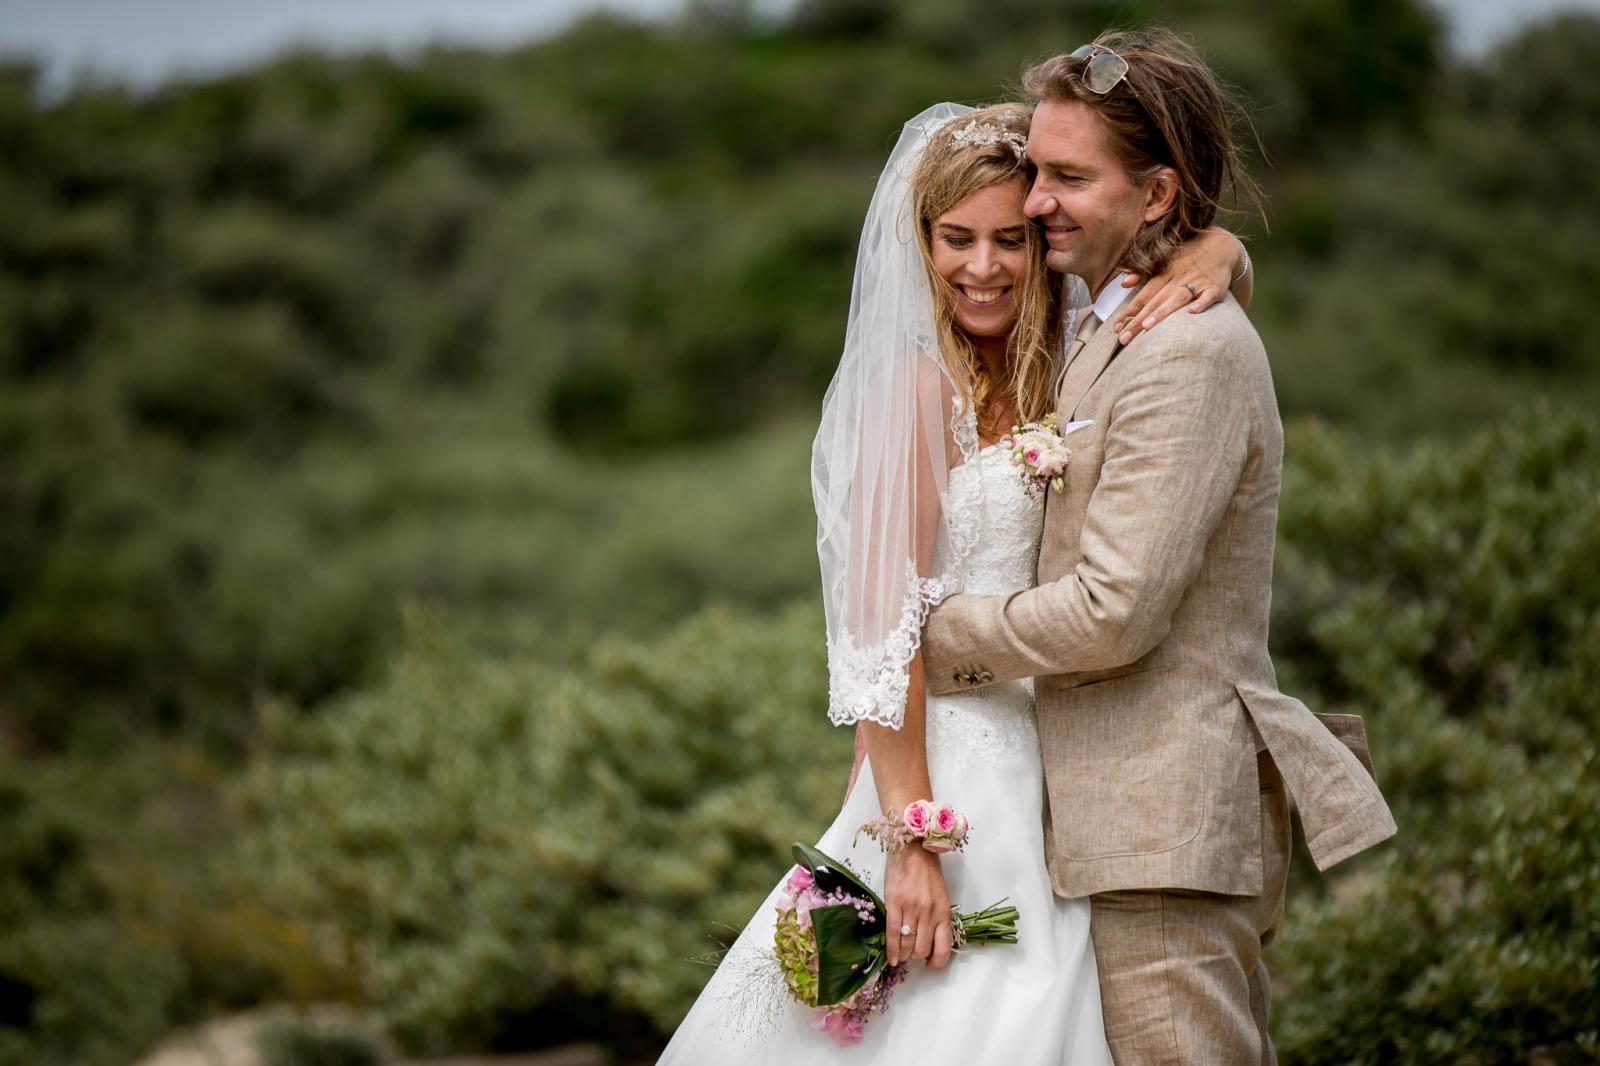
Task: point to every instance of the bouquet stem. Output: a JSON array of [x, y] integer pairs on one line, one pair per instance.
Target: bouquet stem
[[995, 924]]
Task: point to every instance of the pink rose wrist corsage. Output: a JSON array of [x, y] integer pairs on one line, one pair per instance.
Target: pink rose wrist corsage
[[938, 827]]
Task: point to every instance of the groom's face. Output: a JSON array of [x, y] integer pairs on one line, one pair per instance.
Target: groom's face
[[1081, 197]]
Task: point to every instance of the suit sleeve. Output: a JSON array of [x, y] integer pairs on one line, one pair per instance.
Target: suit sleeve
[[1175, 451]]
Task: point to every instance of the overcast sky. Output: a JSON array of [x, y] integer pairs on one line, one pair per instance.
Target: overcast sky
[[146, 40]]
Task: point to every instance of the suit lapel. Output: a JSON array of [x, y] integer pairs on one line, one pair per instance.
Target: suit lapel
[[1083, 370]]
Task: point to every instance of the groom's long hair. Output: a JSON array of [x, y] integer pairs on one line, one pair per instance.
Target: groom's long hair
[[1170, 110]]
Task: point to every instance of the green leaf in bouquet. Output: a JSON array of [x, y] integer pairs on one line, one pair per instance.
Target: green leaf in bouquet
[[849, 950]]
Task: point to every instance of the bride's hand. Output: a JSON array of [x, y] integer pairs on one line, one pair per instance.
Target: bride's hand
[[1209, 261], [916, 896]]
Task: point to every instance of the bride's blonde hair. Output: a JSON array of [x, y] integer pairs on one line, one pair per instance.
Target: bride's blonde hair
[[966, 155]]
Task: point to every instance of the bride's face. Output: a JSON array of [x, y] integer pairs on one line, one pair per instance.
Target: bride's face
[[980, 247]]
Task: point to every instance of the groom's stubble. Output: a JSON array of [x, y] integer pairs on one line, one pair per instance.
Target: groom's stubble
[[1083, 198]]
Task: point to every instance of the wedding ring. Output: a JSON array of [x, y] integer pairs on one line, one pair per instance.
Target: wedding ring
[[905, 930], [1192, 290]]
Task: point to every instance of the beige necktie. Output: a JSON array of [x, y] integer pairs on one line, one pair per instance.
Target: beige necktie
[[1086, 328], [1081, 338]]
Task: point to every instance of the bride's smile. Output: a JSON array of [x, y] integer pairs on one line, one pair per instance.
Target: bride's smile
[[980, 248], [983, 296]]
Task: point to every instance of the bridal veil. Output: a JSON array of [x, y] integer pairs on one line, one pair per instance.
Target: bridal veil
[[893, 426]]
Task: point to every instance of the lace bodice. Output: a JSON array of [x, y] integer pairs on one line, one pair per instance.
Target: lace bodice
[[989, 503]]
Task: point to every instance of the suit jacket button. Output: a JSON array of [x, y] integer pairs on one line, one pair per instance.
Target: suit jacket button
[[958, 677], [986, 677]]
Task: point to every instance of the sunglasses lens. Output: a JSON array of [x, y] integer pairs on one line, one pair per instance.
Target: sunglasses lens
[[1104, 71], [1083, 51]]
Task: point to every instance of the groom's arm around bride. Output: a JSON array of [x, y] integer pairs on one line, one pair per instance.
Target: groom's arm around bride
[[1166, 743]]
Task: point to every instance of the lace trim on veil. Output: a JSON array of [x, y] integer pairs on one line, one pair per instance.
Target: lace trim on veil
[[870, 684]]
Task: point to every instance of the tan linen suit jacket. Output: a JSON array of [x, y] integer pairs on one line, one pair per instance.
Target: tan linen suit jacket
[[1147, 632]]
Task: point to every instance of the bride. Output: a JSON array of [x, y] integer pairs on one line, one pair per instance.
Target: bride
[[954, 330]]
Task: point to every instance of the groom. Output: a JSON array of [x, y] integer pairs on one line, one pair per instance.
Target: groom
[[1167, 745]]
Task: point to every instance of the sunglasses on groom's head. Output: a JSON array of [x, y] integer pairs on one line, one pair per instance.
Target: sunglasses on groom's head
[[1104, 70]]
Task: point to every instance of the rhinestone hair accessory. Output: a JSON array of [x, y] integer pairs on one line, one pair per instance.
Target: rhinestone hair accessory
[[976, 133]]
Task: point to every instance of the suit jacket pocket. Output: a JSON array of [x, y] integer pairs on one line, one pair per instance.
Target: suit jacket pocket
[[1126, 762], [1352, 733]]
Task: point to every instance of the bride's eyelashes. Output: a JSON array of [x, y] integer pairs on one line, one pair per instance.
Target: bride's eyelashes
[[960, 243]]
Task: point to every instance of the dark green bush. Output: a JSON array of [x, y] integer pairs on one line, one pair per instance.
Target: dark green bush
[[1450, 594], [1443, 348], [292, 1043], [1477, 946], [495, 839], [114, 928]]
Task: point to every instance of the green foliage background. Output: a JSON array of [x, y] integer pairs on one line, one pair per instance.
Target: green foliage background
[[405, 529]]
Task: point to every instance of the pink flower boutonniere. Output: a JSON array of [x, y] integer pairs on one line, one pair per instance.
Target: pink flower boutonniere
[[1040, 449]]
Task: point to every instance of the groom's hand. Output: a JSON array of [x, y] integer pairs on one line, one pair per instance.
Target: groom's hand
[[916, 896]]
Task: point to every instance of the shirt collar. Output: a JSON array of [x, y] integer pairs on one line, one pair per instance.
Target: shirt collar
[[1111, 297]]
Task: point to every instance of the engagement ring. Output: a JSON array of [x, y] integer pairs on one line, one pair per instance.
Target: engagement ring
[[905, 930], [1192, 290]]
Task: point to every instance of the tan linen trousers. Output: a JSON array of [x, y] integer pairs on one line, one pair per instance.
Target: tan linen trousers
[[1181, 974]]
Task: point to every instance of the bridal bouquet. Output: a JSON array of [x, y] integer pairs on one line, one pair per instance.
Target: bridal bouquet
[[830, 942], [1041, 451]]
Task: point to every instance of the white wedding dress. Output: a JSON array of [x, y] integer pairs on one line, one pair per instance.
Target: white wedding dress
[[1035, 1003]]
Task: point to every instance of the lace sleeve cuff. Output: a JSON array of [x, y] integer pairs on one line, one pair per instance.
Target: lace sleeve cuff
[[869, 684]]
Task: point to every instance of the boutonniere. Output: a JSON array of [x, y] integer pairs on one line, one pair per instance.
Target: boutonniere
[[1040, 449]]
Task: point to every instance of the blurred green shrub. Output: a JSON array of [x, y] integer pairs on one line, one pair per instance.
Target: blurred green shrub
[[1450, 593], [207, 377], [1385, 307], [1477, 945], [243, 258], [289, 1042], [174, 602], [114, 926], [64, 956], [495, 840]]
